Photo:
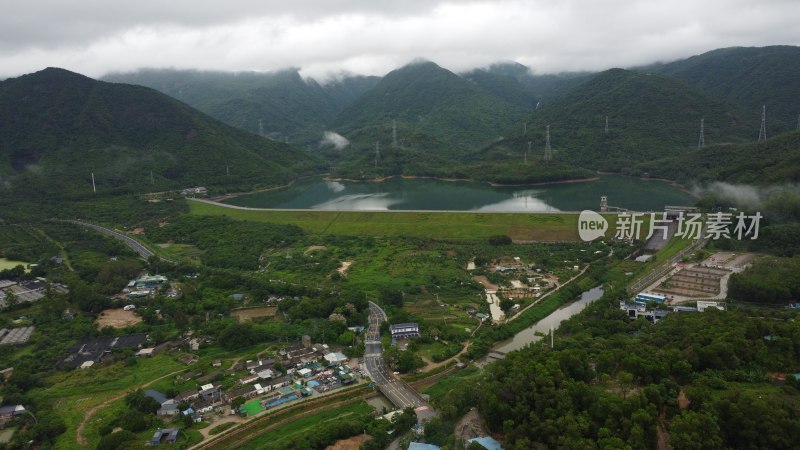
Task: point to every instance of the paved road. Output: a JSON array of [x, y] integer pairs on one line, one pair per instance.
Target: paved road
[[397, 391], [143, 251]]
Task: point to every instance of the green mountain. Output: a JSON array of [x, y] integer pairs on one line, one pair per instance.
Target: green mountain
[[506, 87], [429, 99], [57, 128], [280, 105], [543, 88], [776, 160], [752, 76], [650, 116]]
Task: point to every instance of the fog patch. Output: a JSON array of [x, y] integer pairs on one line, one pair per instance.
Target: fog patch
[[741, 195], [336, 140]]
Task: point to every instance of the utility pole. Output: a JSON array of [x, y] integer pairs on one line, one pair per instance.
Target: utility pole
[[525, 129], [762, 133], [552, 332]]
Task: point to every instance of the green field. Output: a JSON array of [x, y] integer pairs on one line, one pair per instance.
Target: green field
[[10, 264], [280, 437], [73, 393], [253, 407], [435, 225]]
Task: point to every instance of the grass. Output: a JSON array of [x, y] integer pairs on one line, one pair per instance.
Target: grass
[[72, 393], [6, 264], [280, 437], [221, 427], [183, 252], [431, 225], [442, 388]]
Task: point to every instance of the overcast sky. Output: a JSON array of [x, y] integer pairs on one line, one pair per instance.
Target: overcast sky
[[95, 37]]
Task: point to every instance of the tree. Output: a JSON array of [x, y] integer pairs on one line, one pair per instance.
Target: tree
[[137, 400], [11, 298], [695, 430], [115, 440], [347, 338]]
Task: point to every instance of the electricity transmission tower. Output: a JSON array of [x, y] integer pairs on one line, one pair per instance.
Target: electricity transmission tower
[[702, 142], [606, 124], [394, 133], [548, 152], [377, 153], [762, 133], [527, 151]]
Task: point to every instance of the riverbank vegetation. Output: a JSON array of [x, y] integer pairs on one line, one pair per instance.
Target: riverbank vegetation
[[613, 383]]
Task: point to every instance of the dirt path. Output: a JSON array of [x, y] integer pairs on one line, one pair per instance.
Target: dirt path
[[558, 287], [205, 431], [430, 365], [62, 250], [89, 412]]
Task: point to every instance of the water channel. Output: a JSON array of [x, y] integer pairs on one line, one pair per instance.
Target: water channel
[[529, 335]]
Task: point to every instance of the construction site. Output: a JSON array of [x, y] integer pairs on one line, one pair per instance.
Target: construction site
[[708, 279]]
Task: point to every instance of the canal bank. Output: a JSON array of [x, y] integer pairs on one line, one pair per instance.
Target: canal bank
[[540, 329]]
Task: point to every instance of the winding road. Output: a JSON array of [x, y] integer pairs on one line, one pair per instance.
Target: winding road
[[135, 245]]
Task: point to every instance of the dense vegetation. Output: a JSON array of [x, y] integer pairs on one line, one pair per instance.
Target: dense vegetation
[[610, 383], [770, 280], [750, 76], [57, 128], [280, 105], [478, 125], [774, 161]]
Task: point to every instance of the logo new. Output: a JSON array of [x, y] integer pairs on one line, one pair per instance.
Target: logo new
[[591, 225]]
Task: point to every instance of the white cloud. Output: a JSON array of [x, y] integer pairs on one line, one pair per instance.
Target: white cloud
[[368, 37], [338, 141]]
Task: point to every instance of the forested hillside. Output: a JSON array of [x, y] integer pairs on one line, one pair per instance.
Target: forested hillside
[[649, 116], [57, 128], [280, 105], [429, 99], [691, 381], [776, 160], [750, 76]]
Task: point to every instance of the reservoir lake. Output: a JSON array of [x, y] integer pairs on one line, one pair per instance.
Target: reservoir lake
[[412, 194]]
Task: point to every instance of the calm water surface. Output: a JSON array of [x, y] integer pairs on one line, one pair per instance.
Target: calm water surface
[[528, 335], [428, 194]]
